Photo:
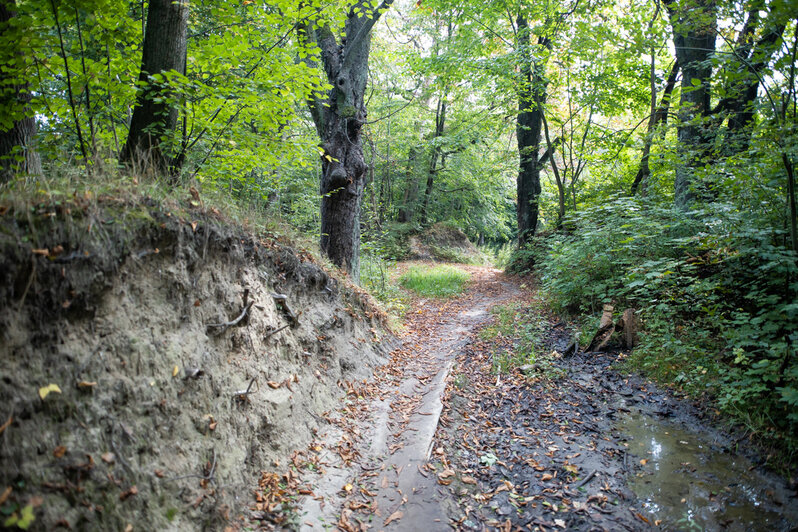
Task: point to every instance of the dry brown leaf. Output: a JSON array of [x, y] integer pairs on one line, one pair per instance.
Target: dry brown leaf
[[5, 494], [59, 451], [87, 384], [129, 493], [274, 385], [644, 461], [393, 517], [547, 477], [469, 480], [108, 458], [43, 252]]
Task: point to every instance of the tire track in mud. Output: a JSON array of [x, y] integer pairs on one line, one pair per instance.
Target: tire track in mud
[[386, 480]]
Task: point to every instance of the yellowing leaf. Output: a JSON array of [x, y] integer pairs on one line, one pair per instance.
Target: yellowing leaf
[[175, 371], [44, 391]]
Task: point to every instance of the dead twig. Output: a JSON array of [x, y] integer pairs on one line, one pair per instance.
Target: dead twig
[[268, 335], [281, 300], [224, 326], [587, 479], [209, 476], [242, 396]]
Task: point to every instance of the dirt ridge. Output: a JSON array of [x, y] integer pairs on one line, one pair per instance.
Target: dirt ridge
[[112, 302]]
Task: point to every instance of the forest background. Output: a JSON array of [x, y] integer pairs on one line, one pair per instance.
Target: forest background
[[638, 152]]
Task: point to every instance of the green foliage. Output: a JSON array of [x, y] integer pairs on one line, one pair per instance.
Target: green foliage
[[375, 276], [435, 281], [716, 292]]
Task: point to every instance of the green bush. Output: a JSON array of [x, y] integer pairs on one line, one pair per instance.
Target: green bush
[[716, 293]]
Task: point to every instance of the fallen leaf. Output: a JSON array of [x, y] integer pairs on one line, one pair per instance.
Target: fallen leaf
[[129, 528], [159, 473], [175, 371], [43, 252], [129, 493], [560, 523], [348, 488], [547, 477], [644, 461], [108, 458], [274, 385], [87, 384], [44, 391], [194, 226], [5, 494], [469, 480], [59, 451], [393, 517]]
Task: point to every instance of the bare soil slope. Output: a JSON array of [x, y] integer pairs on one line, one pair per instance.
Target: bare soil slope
[[123, 307]]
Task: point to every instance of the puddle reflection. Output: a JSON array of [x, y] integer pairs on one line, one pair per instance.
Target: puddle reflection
[[687, 485]]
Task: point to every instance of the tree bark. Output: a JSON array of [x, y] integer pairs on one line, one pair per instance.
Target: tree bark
[[17, 155], [659, 115], [531, 97], [339, 118], [411, 190], [752, 57], [440, 121], [155, 116], [694, 26]]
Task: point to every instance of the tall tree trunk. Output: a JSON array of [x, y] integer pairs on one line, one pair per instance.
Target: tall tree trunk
[[17, 129], [411, 190], [752, 57], [659, 115], [339, 118], [440, 121], [155, 117], [694, 26], [531, 97]]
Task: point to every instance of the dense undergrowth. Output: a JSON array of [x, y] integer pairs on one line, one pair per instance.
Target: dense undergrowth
[[716, 293]]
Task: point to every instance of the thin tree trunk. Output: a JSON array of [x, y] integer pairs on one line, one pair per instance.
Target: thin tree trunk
[[154, 117], [658, 115], [16, 141], [411, 190], [440, 120]]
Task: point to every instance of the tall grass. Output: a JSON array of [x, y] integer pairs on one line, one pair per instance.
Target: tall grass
[[437, 281]]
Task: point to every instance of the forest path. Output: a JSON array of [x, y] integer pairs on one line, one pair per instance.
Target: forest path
[[378, 456], [437, 440]]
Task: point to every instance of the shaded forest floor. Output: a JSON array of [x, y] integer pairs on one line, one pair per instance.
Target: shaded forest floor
[[441, 439]]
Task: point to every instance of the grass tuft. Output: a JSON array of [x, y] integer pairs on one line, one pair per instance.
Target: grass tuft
[[438, 281]]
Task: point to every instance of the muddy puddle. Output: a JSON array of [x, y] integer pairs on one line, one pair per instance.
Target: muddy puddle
[[687, 482]]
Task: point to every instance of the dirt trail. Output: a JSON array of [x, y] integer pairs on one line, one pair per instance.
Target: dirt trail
[[437, 441], [390, 480]]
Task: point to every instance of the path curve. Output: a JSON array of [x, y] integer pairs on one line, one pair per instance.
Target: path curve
[[391, 477]]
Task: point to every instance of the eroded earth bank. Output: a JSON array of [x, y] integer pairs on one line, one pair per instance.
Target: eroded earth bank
[[156, 362]]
